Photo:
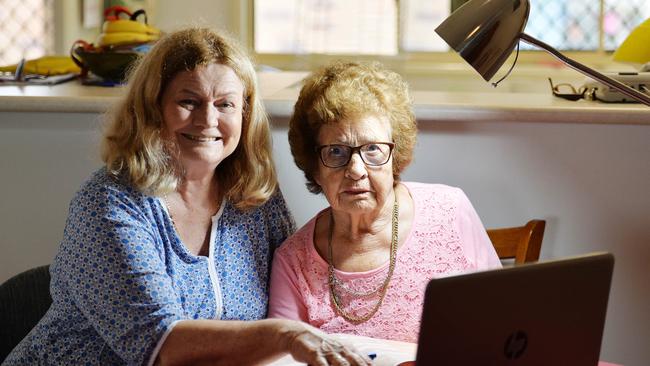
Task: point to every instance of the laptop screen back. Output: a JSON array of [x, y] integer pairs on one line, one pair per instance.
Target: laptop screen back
[[549, 313]]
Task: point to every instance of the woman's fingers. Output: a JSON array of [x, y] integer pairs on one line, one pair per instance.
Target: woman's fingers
[[337, 359], [317, 349], [340, 354], [355, 357], [335, 353]]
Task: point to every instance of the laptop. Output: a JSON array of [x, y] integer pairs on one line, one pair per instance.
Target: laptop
[[547, 313]]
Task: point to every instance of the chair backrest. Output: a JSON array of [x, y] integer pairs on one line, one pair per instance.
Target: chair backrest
[[24, 299], [522, 243]]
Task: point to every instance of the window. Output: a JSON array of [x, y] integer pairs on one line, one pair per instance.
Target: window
[[620, 17], [26, 29], [395, 27], [326, 26], [418, 21], [576, 24]]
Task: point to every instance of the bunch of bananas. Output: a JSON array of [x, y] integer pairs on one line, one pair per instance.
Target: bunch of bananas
[[119, 32]]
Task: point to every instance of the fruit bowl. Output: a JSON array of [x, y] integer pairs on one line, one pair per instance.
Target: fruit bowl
[[109, 65], [120, 44]]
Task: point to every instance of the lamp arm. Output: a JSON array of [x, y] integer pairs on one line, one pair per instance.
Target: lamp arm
[[615, 84]]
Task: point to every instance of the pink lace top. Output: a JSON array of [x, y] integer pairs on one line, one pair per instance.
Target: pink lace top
[[446, 237]]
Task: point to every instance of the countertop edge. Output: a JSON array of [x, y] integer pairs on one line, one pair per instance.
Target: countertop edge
[[56, 104], [424, 113], [281, 91], [452, 113]]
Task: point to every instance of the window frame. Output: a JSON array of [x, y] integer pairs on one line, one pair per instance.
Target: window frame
[[411, 62]]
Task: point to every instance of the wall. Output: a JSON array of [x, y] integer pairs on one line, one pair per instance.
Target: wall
[[224, 14], [44, 157], [167, 15]]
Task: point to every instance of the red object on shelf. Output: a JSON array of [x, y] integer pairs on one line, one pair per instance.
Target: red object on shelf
[[116, 10]]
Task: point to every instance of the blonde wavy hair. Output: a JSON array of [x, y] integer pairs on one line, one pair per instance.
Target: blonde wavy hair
[[132, 145], [344, 90]]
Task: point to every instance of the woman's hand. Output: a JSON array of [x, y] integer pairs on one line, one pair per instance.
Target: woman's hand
[[310, 345], [203, 341]]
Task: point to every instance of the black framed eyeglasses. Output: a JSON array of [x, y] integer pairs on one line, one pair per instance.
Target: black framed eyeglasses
[[372, 154], [567, 91]]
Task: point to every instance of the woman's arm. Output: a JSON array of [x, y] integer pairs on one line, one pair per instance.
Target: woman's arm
[[111, 267], [285, 300], [476, 242], [245, 343]]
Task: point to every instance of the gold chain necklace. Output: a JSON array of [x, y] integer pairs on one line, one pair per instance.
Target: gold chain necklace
[[333, 281]]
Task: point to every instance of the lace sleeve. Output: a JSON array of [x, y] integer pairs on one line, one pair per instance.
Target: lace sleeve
[[474, 238]]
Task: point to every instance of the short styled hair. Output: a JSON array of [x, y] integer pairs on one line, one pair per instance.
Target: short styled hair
[[344, 90], [132, 145]]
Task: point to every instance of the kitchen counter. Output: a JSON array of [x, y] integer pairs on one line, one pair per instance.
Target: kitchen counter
[[72, 97], [436, 98]]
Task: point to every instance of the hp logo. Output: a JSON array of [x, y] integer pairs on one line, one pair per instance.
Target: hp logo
[[515, 345]]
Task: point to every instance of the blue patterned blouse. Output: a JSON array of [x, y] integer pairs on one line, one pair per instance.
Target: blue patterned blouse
[[122, 277]]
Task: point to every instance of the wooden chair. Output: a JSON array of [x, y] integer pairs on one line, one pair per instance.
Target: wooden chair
[[522, 243]]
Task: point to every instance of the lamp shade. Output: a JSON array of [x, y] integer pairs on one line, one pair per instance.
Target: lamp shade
[[484, 32], [636, 47]]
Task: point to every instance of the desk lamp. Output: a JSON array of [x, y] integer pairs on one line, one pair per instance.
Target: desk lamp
[[484, 33]]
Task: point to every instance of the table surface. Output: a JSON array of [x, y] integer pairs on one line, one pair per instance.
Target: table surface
[[389, 353]]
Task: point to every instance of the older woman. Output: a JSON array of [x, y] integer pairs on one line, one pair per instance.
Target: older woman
[[361, 265], [166, 250]]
